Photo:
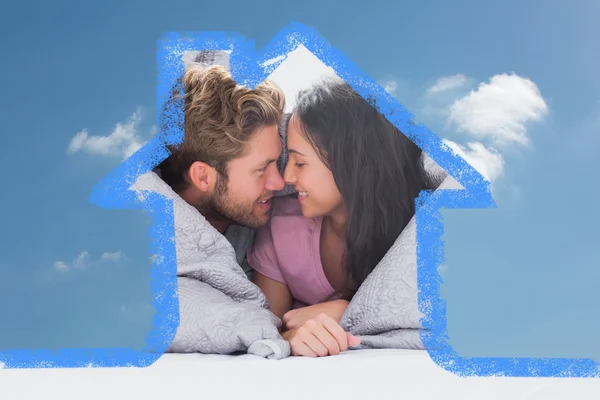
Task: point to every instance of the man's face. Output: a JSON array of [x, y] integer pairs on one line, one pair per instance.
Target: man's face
[[245, 198]]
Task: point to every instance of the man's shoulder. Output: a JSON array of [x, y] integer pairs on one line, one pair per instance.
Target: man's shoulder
[[241, 239], [238, 234]]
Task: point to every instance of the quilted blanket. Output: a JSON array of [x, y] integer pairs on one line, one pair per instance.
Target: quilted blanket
[[221, 311]]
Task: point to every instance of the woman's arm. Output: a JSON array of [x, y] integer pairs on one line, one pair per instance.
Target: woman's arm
[[277, 293], [334, 309], [319, 337], [267, 274]]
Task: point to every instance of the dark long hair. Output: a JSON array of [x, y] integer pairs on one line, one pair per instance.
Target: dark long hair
[[378, 171]]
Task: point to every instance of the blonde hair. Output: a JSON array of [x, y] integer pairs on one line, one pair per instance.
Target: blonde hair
[[219, 119]]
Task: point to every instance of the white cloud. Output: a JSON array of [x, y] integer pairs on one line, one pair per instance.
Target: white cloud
[[499, 110], [448, 83], [390, 86], [60, 266], [494, 116], [83, 261], [489, 162], [116, 256], [122, 142]]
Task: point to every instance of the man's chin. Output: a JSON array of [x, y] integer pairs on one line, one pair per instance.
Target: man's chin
[[258, 220], [262, 220], [256, 224], [261, 217]]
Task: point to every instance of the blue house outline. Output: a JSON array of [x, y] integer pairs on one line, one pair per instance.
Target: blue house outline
[[247, 68]]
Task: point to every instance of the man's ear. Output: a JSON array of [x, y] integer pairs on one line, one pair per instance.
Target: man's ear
[[202, 176]]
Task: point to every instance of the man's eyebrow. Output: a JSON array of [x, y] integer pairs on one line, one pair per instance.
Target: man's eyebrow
[[267, 162]]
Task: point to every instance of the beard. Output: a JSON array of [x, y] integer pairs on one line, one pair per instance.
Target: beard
[[225, 206]]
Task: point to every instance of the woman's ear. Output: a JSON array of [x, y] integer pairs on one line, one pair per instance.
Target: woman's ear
[[202, 176]]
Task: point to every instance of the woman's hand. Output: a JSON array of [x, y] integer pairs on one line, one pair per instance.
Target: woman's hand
[[319, 337], [334, 309]]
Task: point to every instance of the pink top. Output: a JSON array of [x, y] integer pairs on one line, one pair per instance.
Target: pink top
[[287, 250]]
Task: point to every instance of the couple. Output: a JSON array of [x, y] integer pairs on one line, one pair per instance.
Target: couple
[[352, 180]]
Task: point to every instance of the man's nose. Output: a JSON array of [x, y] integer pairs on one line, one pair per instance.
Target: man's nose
[[275, 182]]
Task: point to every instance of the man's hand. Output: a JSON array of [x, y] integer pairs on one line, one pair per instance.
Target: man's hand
[[334, 309], [319, 337]]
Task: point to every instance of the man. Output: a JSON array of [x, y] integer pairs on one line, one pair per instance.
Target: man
[[227, 165]]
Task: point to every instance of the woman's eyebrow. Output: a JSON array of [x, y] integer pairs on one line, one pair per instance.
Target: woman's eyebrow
[[296, 152]]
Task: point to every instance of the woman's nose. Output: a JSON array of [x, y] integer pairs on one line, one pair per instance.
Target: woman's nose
[[288, 174]]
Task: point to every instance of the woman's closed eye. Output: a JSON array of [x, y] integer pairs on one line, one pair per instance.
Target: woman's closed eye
[[299, 165]]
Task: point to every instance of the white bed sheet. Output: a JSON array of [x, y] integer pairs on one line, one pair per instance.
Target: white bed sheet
[[364, 374]]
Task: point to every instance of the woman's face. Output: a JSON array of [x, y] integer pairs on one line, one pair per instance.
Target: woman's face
[[318, 192]]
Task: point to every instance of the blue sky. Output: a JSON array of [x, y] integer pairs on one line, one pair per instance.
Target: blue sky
[[521, 280]]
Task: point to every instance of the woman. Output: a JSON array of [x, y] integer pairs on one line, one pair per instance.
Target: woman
[[357, 179]]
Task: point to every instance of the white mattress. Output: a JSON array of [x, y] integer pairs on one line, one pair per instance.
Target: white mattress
[[365, 374]]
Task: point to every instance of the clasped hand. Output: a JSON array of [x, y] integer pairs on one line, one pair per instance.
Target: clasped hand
[[315, 331]]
